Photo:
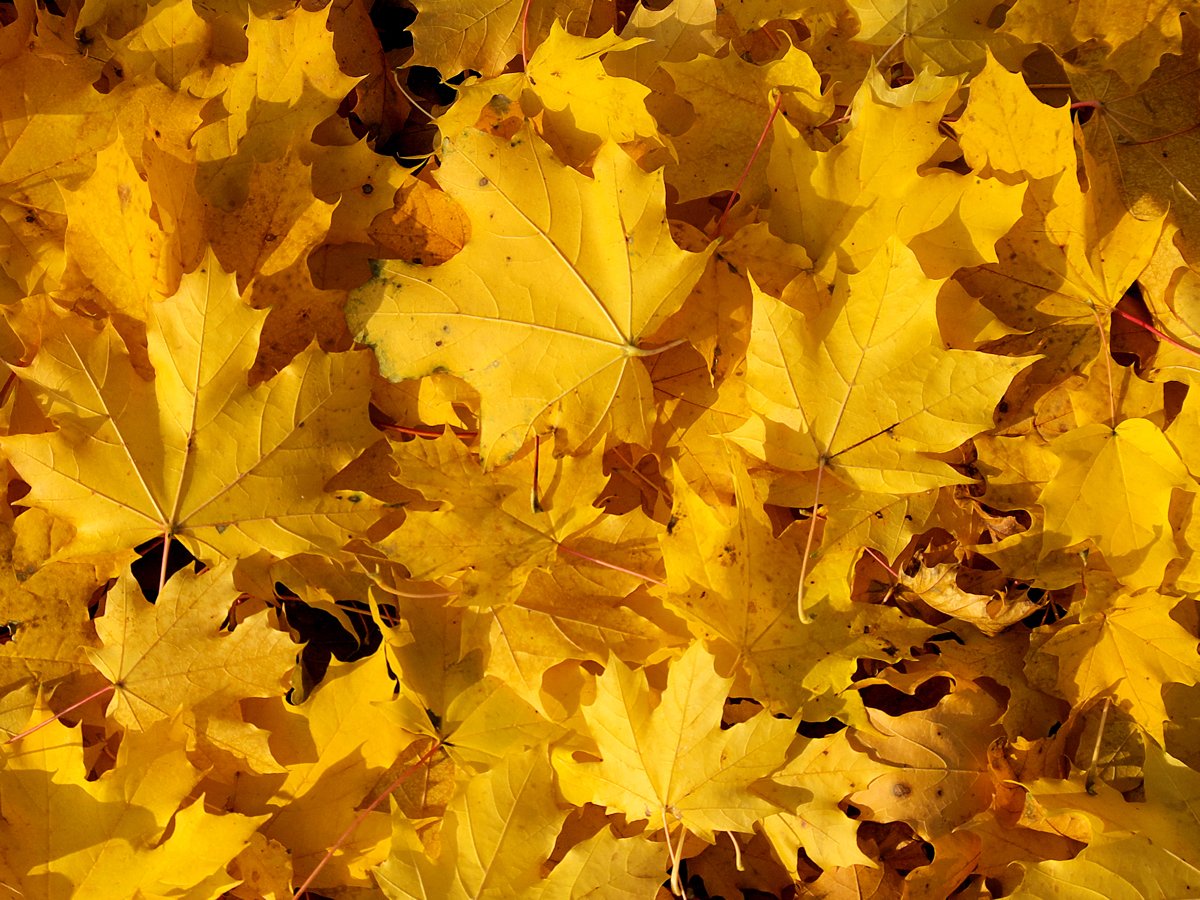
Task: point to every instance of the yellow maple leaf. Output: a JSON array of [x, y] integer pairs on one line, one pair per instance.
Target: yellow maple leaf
[[496, 834], [827, 770], [1113, 486], [735, 583], [941, 776], [1130, 650], [865, 386], [172, 654], [843, 204], [730, 97], [491, 530], [66, 835], [1142, 848], [1136, 33], [113, 237], [455, 35], [670, 762], [546, 306], [942, 36], [569, 78], [336, 747], [196, 454], [1010, 130]]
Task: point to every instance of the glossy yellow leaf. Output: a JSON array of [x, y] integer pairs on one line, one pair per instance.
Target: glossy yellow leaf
[[735, 584], [865, 386], [196, 454], [172, 654], [942, 36], [64, 835], [496, 835], [670, 762], [567, 74], [842, 205], [1130, 651], [1113, 486], [489, 529], [941, 776], [545, 308], [1009, 129]]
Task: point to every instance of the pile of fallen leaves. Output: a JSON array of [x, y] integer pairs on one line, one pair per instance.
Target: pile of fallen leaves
[[543, 449]]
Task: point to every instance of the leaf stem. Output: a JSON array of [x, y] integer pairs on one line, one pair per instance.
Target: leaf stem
[[805, 618], [108, 688], [878, 557], [675, 853], [361, 817], [525, 34], [535, 498], [162, 569], [1161, 335], [608, 565], [1106, 346], [1090, 782], [749, 164], [632, 350]]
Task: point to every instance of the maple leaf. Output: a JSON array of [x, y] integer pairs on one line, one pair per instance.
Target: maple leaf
[[289, 81], [941, 777], [1080, 503], [466, 34], [211, 467], [172, 654], [1080, 250], [1130, 651], [1139, 849], [864, 386], [45, 610], [1136, 36], [735, 584], [843, 204], [730, 96], [943, 36], [133, 259], [496, 835], [830, 770], [678, 33], [569, 79], [106, 835], [570, 271], [510, 533], [1149, 161], [670, 762], [335, 748]]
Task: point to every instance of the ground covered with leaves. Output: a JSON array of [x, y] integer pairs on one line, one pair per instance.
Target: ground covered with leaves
[[542, 449]]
